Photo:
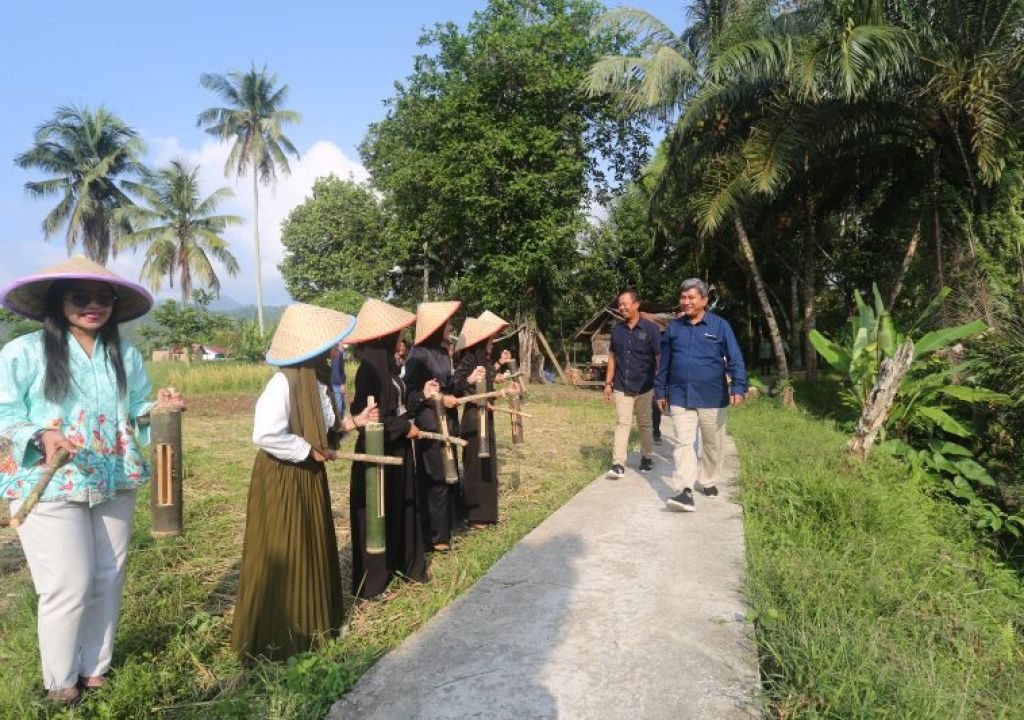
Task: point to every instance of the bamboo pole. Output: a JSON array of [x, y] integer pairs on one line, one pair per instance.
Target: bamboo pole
[[59, 459], [442, 437]]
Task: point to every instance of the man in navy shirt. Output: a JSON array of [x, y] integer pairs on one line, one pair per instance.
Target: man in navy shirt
[[699, 356], [632, 364]]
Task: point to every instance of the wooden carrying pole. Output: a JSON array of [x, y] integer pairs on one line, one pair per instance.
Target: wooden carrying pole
[[165, 500], [364, 457], [442, 438], [481, 404], [59, 459], [451, 469], [478, 396], [374, 476]]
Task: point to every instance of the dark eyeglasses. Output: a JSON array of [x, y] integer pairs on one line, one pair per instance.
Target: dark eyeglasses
[[81, 299]]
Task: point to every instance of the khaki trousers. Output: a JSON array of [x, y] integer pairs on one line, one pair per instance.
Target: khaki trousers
[[688, 468], [626, 406]]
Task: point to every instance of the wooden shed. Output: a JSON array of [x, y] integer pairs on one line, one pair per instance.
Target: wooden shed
[[595, 335]]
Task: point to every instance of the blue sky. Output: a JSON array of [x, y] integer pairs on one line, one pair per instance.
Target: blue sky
[[143, 61]]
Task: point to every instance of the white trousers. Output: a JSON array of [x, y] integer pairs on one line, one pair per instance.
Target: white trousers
[[77, 555], [688, 467]]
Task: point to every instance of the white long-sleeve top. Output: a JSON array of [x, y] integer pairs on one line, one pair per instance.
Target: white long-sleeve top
[[270, 430]]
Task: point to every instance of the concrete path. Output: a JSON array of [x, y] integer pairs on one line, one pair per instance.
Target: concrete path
[[613, 607]]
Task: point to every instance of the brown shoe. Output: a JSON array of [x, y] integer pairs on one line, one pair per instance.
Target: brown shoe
[[442, 547], [93, 682], [64, 696]]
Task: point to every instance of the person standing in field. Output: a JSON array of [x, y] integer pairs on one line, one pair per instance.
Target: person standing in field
[[629, 381], [429, 361], [76, 387], [699, 356], [290, 593]]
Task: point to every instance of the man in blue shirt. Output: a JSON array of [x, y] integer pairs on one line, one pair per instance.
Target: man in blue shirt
[[632, 364], [699, 357]]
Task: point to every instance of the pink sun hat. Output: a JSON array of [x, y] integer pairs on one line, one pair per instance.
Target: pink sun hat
[[27, 296]]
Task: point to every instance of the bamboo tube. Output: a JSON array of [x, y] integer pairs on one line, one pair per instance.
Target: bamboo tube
[[59, 459], [451, 470], [481, 404], [441, 437], [478, 396], [516, 411], [374, 475], [510, 411], [165, 501], [364, 457]]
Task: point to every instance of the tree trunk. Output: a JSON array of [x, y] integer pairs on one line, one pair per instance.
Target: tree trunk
[[908, 258], [795, 349], [531, 363], [937, 234], [809, 260], [426, 273], [256, 237], [769, 314], [880, 399]]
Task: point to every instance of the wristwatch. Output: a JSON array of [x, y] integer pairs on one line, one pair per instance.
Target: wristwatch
[[37, 440]]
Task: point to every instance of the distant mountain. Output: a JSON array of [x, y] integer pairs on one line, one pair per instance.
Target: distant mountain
[[225, 304]]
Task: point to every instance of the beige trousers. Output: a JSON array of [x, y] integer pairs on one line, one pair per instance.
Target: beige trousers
[[77, 557], [625, 408], [688, 468]]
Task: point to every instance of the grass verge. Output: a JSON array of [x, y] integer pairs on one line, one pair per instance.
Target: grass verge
[[173, 658], [871, 598]]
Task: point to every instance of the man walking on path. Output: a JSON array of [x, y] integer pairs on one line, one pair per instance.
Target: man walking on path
[[632, 364], [699, 356]]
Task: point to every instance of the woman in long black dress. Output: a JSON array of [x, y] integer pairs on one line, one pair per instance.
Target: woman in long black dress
[[377, 331], [429, 361], [480, 475]]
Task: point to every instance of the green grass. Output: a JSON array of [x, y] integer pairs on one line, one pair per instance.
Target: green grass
[[172, 657], [871, 598]]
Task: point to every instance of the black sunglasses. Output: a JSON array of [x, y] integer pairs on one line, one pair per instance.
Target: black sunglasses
[[81, 299]]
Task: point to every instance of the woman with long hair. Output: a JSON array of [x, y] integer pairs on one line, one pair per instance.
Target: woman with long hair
[[76, 386]]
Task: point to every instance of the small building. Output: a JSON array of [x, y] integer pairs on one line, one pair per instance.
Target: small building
[[595, 336], [209, 352]]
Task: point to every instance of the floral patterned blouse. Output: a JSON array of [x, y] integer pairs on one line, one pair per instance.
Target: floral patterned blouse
[[93, 417]]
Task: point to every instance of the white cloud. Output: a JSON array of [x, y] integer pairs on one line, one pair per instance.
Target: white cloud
[[321, 159]]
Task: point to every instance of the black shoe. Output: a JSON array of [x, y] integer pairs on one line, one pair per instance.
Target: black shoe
[[646, 465], [616, 471], [683, 501], [657, 439], [711, 491]]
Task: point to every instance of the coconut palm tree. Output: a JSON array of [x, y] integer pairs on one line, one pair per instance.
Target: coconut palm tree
[[180, 230], [252, 120], [90, 157]]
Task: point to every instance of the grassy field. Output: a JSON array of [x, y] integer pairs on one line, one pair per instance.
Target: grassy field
[[172, 656], [871, 598]]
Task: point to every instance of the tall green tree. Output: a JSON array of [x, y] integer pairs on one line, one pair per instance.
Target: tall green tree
[[91, 158], [490, 151], [337, 240], [180, 230], [252, 120]]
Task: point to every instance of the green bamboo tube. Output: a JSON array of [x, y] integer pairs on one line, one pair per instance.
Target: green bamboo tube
[[451, 470], [375, 529], [165, 500], [481, 404]]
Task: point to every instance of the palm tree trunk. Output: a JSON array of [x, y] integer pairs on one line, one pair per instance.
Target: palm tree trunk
[[769, 315], [908, 257], [256, 237], [809, 257]]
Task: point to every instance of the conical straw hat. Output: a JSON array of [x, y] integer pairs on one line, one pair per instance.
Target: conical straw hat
[[493, 321], [432, 315], [306, 331], [478, 329], [377, 319], [27, 296]]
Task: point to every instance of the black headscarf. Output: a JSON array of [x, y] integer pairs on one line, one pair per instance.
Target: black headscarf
[[379, 356]]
